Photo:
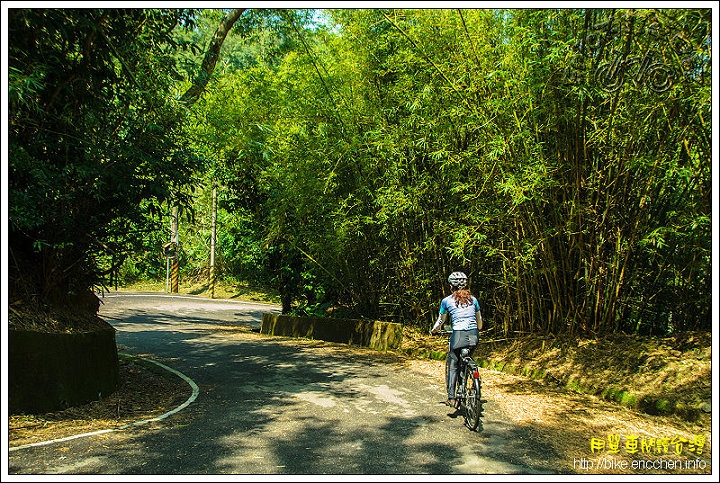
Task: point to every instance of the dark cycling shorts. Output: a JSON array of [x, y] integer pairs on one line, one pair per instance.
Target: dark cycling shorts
[[463, 338]]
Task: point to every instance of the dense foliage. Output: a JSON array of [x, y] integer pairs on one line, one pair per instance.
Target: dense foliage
[[561, 158], [93, 146]]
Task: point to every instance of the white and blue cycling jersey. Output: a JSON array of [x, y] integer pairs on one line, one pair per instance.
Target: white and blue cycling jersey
[[462, 317]]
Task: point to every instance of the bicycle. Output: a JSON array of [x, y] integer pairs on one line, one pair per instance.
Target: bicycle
[[468, 387]]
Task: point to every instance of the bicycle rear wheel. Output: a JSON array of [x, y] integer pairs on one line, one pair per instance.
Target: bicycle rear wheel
[[473, 401]]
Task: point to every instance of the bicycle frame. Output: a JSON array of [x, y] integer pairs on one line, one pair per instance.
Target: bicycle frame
[[467, 364], [468, 392], [468, 399]]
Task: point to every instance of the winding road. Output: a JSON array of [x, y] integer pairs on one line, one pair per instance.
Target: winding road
[[274, 405]]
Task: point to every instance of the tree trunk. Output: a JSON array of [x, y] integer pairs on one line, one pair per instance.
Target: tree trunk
[[211, 57]]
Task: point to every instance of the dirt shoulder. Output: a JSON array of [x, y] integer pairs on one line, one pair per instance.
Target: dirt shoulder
[[602, 405], [578, 430], [145, 392], [655, 375]]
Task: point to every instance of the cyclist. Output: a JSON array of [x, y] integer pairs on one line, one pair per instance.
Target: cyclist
[[464, 311]]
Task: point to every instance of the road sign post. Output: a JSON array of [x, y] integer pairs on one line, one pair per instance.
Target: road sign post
[[174, 276], [170, 252]]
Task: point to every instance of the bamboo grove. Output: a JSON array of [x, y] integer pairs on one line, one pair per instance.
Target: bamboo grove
[[560, 157]]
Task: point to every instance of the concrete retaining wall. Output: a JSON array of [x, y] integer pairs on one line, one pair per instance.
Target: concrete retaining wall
[[50, 372], [367, 333]]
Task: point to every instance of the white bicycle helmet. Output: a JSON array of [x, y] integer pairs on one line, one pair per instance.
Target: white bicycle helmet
[[458, 280]]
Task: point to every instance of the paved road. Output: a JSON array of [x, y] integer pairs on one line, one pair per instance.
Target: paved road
[[270, 405]]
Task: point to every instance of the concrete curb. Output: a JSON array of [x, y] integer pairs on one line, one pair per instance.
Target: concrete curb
[[374, 334], [193, 396]]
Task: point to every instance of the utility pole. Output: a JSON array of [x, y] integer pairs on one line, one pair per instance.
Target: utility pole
[[213, 234], [175, 262]]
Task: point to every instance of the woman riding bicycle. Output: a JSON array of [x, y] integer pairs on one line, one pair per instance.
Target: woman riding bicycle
[[464, 311]]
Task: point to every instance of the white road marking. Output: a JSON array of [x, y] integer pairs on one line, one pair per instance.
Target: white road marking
[[193, 396]]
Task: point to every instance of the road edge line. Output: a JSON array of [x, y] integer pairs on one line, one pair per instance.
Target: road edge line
[[193, 396]]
